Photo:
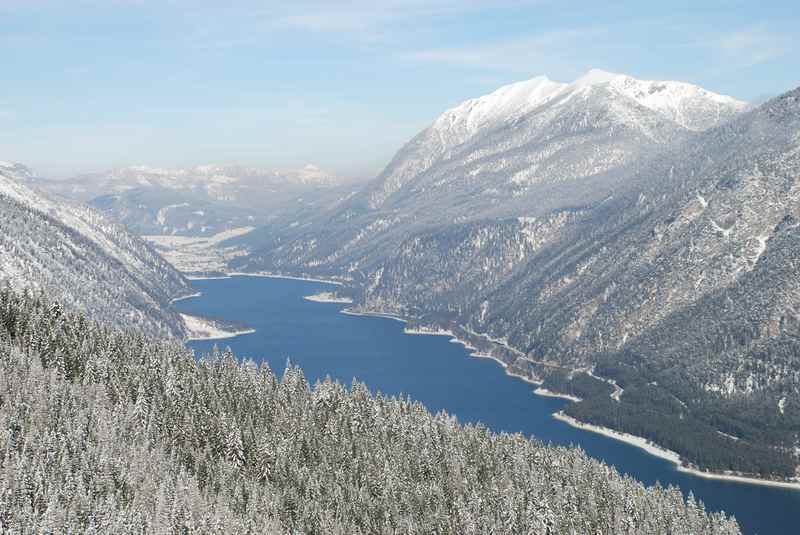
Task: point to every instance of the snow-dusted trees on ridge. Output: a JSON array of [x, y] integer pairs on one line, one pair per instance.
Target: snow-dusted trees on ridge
[[105, 431]]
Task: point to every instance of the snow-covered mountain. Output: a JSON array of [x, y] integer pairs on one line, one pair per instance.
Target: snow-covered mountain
[[541, 131], [18, 170], [203, 200], [524, 150], [644, 232], [83, 259]]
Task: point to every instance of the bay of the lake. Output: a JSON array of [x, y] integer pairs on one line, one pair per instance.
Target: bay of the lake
[[442, 375]]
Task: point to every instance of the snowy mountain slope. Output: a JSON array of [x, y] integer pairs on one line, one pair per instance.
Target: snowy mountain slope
[[702, 217], [681, 287], [540, 110], [525, 150], [688, 105], [89, 261], [659, 256]]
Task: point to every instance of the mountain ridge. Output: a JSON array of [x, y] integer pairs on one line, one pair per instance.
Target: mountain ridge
[[670, 100], [90, 262], [622, 242], [201, 200]]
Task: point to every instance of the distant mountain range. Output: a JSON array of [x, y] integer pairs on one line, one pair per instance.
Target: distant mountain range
[[83, 259], [643, 232], [199, 201]]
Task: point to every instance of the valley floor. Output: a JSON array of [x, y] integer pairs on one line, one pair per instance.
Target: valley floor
[[198, 254]]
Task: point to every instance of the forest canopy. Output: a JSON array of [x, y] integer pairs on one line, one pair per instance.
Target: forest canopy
[[106, 431]]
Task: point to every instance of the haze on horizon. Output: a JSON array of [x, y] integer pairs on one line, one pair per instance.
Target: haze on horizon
[[90, 85]]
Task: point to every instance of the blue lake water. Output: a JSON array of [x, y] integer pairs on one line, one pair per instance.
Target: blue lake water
[[441, 374]]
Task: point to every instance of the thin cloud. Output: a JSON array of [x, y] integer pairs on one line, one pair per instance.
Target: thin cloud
[[753, 45], [554, 52], [746, 47], [374, 19]]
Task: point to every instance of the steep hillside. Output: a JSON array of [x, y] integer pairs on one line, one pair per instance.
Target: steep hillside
[[143, 438], [85, 260], [540, 132], [682, 287], [525, 150], [672, 271]]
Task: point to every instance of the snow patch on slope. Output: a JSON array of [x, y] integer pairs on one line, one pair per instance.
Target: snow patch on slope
[[501, 105], [678, 101], [688, 105]]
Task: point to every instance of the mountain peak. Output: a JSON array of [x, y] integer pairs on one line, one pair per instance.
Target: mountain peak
[[596, 77], [458, 123], [16, 170]]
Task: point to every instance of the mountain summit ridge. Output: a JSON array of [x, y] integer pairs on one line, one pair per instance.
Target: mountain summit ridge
[[558, 117], [597, 234], [524, 96]]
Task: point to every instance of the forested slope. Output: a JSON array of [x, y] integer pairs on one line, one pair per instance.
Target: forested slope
[[84, 259], [673, 271], [108, 432]]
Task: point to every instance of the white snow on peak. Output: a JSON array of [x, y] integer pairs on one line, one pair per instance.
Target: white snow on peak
[[308, 174], [6, 164], [507, 102], [146, 169], [688, 105], [595, 77]]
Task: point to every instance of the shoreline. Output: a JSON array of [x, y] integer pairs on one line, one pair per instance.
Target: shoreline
[[184, 297], [669, 455], [627, 438], [328, 297], [290, 277], [500, 342], [350, 312], [227, 336], [200, 329], [440, 332], [195, 277], [524, 378], [639, 442], [541, 391], [474, 352]]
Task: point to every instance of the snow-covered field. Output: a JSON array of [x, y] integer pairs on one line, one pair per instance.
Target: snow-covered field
[[198, 254], [328, 297], [202, 329], [550, 394]]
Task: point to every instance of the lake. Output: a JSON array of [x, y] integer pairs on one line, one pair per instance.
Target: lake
[[442, 375]]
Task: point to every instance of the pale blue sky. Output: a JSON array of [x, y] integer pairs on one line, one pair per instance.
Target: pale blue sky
[[90, 84]]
